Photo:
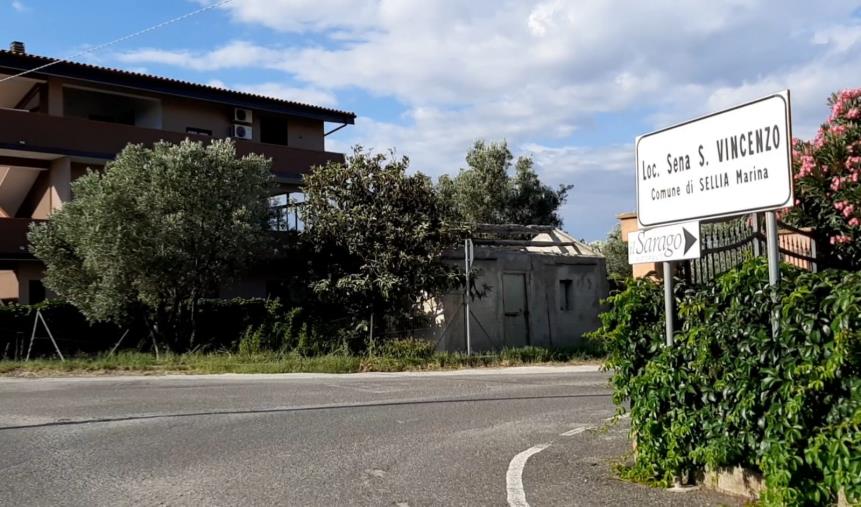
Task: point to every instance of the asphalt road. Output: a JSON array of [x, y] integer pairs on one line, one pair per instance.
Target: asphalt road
[[367, 439]]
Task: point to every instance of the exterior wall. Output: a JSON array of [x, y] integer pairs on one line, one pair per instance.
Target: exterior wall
[[25, 272], [180, 114], [38, 202], [94, 140], [55, 97], [8, 285], [305, 134], [628, 223], [549, 325], [60, 181]]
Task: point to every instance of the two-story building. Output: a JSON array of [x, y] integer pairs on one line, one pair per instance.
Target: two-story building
[[58, 120]]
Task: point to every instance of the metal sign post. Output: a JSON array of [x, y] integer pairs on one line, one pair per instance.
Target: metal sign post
[[666, 245], [773, 248], [668, 300], [729, 163]]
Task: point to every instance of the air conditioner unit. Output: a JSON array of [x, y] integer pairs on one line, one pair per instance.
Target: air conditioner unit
[[242, 115], [241, 132]]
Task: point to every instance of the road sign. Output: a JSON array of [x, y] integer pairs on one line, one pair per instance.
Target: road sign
[[728, 163], [665, 244]]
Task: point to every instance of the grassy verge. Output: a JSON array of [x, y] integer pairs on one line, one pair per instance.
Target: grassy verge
[[289, 362]]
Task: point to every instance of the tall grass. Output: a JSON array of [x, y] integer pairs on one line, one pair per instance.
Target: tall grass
[[255, 361]]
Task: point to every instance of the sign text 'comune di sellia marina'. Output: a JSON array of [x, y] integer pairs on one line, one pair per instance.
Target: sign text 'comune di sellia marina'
[[731, 162]]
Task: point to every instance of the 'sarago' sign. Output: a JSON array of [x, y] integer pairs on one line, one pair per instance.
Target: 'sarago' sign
[[728, 163], [664, 244]]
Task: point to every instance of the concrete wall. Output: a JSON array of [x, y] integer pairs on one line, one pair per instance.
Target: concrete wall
[[549, 324]]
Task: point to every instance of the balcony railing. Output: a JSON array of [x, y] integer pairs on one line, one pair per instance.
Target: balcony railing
[[21, 130]]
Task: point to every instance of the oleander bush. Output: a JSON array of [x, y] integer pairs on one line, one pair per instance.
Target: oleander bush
[[732, 391], [827, 174]]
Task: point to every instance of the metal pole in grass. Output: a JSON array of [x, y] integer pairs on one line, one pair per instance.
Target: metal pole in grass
[[468, 256], [668, 300]]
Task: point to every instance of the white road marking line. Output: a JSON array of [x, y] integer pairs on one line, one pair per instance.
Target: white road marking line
[[514, 477], [575, 431]]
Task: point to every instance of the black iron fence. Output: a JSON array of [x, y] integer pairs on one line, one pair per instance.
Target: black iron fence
[[728, 243]]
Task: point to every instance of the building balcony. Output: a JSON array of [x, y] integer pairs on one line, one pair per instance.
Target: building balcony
[[13, 239], [87, 139]]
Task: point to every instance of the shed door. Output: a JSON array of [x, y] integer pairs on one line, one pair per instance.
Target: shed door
[[515, 309]]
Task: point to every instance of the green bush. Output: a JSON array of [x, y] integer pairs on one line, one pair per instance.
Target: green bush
[[732, 392], [244, 325], [69, 327], [406, 348]]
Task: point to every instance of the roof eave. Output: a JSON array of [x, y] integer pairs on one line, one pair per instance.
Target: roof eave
[[167, 86]]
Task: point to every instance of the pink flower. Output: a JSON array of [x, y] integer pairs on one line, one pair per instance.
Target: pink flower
[[853, 114], [854, 222]]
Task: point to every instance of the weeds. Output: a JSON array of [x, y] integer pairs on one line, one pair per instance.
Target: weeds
[[408, 355]]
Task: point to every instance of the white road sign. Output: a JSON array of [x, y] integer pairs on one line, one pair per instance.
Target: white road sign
[[664, 244], [728, 163]]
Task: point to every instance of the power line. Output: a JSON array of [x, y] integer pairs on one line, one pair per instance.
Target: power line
[[121, 39]]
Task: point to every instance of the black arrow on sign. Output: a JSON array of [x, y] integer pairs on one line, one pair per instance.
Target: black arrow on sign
[[690, 240]]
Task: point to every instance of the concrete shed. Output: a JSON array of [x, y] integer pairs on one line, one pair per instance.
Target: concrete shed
[[544, 290]]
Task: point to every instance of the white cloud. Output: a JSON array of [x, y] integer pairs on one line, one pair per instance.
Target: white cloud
[[236, 54], [540, 72], [19, 6], [279, 91]]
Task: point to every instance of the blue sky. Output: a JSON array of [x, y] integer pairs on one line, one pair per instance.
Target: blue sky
[[570, 83]]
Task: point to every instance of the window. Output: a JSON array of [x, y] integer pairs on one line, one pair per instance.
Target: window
[[273, 130], [198, 131], [111, 107], [565, 302], [284, 212]]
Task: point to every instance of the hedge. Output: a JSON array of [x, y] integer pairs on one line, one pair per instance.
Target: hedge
[[731, 392]]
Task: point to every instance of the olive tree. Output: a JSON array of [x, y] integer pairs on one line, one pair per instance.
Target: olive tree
[[493, 190], [381, 234], [156, 230]]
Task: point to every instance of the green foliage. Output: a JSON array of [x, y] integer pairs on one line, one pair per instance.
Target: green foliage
[[730, 392], [158, 229], [403, 357], [380, 233], [485, 192], [71, 329], [615, 251], [407, 348]]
